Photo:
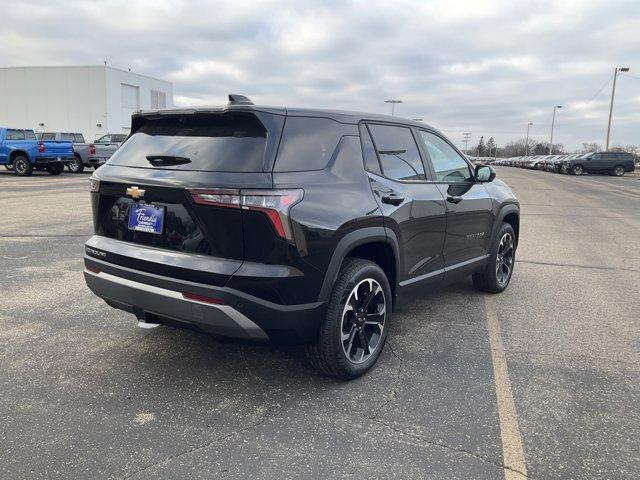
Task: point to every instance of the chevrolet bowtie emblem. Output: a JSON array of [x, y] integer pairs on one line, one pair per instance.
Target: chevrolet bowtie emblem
[[135, 192]]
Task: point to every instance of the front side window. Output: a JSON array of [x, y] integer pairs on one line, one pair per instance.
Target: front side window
[[369, 152], [449, 166], [104, 139], [398, 152]]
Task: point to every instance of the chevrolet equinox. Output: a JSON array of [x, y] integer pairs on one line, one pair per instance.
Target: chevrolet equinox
[[292, 225]]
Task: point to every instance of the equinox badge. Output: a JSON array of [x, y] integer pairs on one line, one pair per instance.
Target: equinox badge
[[135, 192]]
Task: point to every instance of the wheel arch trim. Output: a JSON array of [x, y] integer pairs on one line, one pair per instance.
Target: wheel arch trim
[[504, 211], [352, 240]]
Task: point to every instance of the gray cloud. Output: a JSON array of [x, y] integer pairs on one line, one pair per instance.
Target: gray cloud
[[488, 68]]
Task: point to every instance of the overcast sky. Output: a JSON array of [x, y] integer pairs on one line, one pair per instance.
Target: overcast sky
[[486, 68]]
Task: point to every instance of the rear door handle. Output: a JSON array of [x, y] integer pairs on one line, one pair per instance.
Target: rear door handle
[[392, 199], [454, 199]]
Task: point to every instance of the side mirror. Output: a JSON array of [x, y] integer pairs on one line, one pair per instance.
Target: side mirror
[[485, 173]]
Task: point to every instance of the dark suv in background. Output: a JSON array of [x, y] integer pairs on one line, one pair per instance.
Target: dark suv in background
[[614, 163], [292, 225]]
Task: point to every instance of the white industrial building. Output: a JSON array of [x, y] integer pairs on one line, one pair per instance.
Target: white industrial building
[[92, 100]]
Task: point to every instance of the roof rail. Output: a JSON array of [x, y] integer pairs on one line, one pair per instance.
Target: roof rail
[[235, 99]]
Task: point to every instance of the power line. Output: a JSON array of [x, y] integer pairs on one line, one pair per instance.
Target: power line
[[594, 96]]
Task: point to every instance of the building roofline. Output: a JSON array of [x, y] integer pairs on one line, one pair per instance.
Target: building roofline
[[84, 66]]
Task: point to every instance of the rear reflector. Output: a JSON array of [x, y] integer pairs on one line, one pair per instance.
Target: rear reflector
[[275, 204], [203, 298]]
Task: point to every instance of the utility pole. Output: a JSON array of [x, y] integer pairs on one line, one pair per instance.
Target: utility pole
[[393, 105], [466, 136], [553, 122], [613, 92], [526, 147]]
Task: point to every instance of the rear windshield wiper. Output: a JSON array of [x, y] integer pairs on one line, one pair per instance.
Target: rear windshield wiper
[[167, 160]]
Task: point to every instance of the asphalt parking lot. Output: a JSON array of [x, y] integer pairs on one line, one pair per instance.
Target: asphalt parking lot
[[543, 379]]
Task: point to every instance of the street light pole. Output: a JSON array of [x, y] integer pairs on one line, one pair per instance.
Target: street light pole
[[393, 105], [613, 92], [526, 147], [553, 122]]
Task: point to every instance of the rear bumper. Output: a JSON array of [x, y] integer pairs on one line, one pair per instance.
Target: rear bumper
[[161, 299], [97, 161], [53, 160]]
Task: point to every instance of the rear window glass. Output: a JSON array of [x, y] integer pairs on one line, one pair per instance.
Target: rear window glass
[[230, 142], [15, 135], [307, 143]]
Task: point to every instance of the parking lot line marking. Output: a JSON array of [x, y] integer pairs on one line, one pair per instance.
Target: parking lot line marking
[[512, 451]]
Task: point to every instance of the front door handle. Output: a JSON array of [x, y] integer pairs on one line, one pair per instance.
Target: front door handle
[[392, 199], [454, 199]]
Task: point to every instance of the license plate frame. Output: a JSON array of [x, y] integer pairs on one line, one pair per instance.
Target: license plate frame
[[147, 218]]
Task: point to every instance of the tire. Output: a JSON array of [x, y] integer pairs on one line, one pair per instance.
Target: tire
[[76, 166], [618, 171], [577, 170], [22, 166], [494, 278], [56, 169], [344, 330]]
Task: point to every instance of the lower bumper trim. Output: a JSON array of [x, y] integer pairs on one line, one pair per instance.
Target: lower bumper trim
[[141, 298]]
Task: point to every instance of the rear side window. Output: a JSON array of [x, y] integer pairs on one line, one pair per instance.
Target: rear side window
[[230, 142], [15, 135], [29, 135], [66, 137], [307, 144], [78, 138], [398, 152], [118, 138]]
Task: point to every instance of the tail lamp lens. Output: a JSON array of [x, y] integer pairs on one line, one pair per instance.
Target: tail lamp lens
[[92, 149], [275, 204], [41, 147], [94, 185]]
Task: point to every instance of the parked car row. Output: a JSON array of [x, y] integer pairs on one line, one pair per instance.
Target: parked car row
[[22, 152], [91, 155], [613, 163]]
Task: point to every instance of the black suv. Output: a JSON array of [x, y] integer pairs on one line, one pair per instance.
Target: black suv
[[292, 225], [614, 163]]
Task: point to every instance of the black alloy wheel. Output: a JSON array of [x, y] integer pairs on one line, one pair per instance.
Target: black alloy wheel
[[504, 258], [363, 320]]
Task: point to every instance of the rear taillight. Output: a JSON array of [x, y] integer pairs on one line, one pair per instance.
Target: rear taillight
[[275, 204], [41, 147], [94, 185], [92, 149]]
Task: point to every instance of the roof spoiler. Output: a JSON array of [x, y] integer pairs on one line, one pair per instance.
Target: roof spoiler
[[235, 99]]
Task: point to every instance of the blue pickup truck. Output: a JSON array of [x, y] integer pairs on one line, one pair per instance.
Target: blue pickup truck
[[21, 152]]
